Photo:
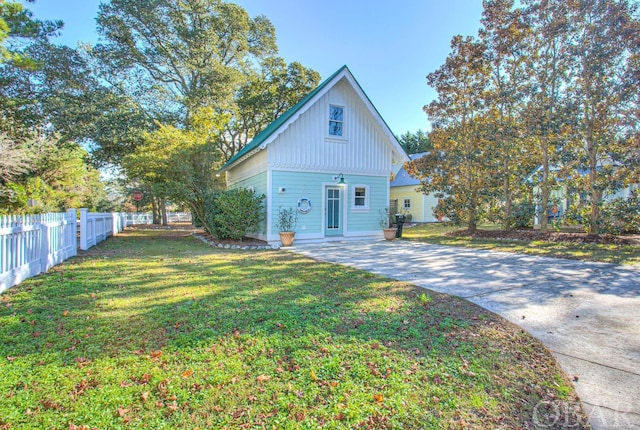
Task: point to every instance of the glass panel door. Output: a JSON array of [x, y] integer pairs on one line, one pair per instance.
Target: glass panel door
[[333, 226]]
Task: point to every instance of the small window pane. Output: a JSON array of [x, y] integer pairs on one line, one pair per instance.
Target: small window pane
[[335, 128], [407, 203], [360, 196], [335, 113]]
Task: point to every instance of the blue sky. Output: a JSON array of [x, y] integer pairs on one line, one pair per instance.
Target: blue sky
[[390, 46]]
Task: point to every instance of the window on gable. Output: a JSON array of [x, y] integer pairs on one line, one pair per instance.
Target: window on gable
[[336, 120], [406, 204]]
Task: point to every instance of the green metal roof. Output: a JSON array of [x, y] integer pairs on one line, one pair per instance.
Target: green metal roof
[[271, 128]]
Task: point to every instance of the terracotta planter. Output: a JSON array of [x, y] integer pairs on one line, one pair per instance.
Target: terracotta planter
[[286, 237], [389, 233]]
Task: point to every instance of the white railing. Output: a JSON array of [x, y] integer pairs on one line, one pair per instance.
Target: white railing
[[32, 244], [147, 217], [96, 227]]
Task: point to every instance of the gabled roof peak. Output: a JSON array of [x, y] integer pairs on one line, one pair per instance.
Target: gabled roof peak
[[262, 139]]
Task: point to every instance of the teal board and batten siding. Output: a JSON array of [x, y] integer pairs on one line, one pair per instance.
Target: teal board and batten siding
[[288, 187], [368, 221]]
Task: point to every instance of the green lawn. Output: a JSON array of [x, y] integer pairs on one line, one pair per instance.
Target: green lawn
[[154, 329], [436, 233]]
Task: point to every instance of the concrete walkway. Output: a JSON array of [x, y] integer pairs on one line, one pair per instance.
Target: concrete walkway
[[587, 314]]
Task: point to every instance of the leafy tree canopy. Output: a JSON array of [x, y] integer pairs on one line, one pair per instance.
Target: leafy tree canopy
[[415, 143]]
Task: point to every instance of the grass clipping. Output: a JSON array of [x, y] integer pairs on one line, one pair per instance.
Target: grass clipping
[[154, 329]]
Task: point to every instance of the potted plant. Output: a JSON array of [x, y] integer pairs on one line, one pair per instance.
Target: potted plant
[[386, 224], [286, 224]]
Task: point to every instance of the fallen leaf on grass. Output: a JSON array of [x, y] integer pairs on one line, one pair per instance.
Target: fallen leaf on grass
[[82, 361], [187, 373], [65, 313], [263, 378], [378, 398], [144, 396], [156, 354], [122, 412], [50, 404], [144, 378]]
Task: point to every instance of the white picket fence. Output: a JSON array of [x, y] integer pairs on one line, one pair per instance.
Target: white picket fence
[[96, 227], [32, 244]]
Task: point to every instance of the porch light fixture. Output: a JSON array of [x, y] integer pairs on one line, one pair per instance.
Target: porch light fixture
[[341, 179]]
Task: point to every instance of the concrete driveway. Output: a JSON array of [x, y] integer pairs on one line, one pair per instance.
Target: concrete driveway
[[587, 314]]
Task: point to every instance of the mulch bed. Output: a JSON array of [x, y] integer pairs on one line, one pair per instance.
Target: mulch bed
[[532, 235], [187, 226], [246, 241]]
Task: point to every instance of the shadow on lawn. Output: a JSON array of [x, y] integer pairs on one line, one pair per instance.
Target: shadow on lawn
[[139, 293], [142, 292]]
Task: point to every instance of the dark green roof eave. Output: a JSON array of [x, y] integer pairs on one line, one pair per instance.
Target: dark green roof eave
[[282, 119]]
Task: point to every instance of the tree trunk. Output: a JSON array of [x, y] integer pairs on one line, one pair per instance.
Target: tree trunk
[[507, 197], [595, 194], [155, 209], [163, 211], [154, 204], [473, 223], [545, 189], [473, 210]]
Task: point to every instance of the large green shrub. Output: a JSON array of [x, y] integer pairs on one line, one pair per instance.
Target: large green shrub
[[618, 216], [621, 215], [522, 214], [234, 213]]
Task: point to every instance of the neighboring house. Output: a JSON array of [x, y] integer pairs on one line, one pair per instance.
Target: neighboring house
[[330, 157], [560, 198], [406, 199]]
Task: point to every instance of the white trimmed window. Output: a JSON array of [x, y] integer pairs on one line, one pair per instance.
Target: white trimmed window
[[336, 120], [406, 204], [360, 197]]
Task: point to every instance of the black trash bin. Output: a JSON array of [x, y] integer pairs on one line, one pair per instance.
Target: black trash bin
[[399, 223]]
